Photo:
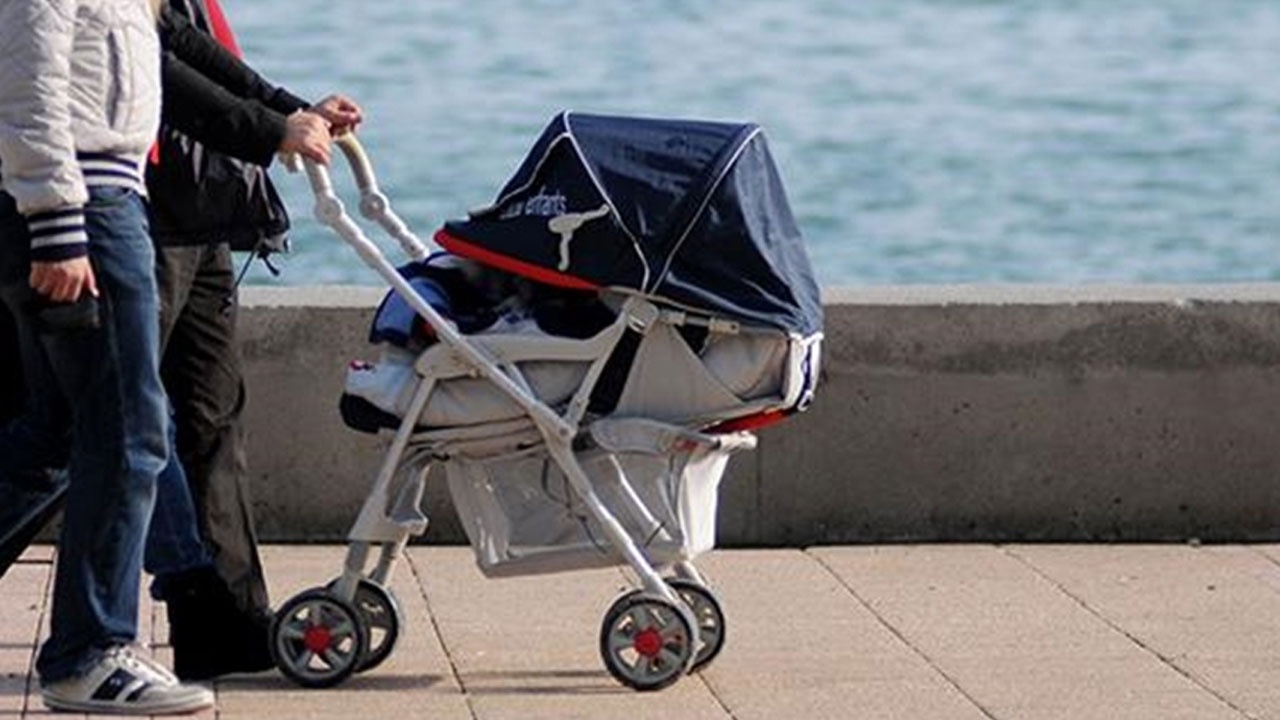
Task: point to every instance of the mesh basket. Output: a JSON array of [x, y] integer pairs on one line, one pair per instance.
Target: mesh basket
[[523, 516]]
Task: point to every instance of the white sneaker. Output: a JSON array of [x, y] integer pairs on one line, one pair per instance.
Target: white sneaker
[[122, 683], [160, 673]]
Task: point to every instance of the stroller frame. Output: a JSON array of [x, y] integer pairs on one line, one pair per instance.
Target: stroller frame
[[651, 636]]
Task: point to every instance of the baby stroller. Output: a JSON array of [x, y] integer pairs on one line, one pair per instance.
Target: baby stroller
[[666, 308]]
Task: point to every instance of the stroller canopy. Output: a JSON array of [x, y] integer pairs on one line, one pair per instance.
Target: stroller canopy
[[690, 211]]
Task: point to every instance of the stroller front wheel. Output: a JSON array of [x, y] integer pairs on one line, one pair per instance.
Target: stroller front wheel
[[647, 643], [382, 618], [318, 639]]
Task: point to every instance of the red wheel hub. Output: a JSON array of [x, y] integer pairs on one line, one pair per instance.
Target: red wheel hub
[[648, 642], [317, 638]]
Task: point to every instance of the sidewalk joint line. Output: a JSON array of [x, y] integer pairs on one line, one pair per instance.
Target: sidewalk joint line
[[35, 648], [716, 696], [444, 646], [702, 677], [884, 622], [1265, 556], [1164, 659], [1266, 559]]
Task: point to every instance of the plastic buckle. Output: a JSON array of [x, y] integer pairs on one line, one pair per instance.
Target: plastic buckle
[[641, 316]]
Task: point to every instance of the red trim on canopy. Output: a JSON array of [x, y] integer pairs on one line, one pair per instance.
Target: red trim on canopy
[[754, 421], [458, 246]]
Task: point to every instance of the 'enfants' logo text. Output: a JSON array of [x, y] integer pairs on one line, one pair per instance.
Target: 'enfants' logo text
[[543, 204]]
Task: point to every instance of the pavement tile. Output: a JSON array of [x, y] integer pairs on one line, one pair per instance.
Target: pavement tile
[[414, 681], [1212, 612], [798, 644], [926, 632], [15, 660], [527, 647], [1012, 640], [22, 603]]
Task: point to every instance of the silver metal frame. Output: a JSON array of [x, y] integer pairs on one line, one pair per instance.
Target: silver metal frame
[[387, 526]]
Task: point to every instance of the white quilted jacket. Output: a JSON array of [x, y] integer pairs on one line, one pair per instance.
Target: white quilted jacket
[[79, 98]]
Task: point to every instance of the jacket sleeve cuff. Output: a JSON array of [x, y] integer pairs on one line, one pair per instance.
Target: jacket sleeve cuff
[[57, 234], [285, 102]]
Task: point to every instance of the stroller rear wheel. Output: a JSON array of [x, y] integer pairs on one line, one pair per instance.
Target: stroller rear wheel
[[646, 642], [707, 615], [317, 639], [382, 618]]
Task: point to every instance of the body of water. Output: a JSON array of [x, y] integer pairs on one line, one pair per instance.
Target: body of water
[[921, 141]]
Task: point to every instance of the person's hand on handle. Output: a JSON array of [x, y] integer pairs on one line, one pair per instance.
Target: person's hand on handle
[[307, 134], [342, 113], [64, 280]]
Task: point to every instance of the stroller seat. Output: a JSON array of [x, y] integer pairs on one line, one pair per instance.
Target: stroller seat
[[457, 398], [689, 378]]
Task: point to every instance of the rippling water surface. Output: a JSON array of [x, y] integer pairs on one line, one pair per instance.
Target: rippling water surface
[[920, 140]]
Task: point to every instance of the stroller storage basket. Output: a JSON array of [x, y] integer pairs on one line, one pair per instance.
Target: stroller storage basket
[[523, 517]]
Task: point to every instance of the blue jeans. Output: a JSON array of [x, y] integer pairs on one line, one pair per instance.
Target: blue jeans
[[173, 540], [105, 385]]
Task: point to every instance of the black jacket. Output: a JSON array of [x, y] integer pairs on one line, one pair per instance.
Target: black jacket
[[221, 125]]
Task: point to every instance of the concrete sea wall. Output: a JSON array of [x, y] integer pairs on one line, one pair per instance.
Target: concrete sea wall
[[1028, 413]]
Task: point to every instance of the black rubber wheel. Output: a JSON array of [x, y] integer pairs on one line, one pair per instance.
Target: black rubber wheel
[[707, 615], [646, 642], [317, 639], [382, 618]]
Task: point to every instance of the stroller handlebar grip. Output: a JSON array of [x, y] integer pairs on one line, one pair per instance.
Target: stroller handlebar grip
[[374, 205], [359, 161]]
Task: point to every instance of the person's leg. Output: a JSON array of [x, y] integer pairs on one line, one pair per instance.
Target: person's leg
[[173, 539], [12, 397], [37, 438], [33, 445], [201, 370], [110, 380], [32, 487], [174, 543], [201, 367]]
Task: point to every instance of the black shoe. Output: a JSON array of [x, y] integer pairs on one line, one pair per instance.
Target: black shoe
[[28, 502], [210, 633]]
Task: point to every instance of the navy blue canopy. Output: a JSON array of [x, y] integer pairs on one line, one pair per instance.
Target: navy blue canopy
[[690, 211]]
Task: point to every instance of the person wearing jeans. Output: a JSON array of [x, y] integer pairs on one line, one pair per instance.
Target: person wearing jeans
[[118, 420], [105, 381], [79, 106]]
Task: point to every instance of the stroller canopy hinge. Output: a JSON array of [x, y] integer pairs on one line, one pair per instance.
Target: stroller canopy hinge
[[681, 318]]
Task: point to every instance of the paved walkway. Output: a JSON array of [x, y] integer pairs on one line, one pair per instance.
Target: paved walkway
[[927, 632]]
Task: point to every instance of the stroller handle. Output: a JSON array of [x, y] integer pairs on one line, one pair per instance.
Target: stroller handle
[[374, 205]]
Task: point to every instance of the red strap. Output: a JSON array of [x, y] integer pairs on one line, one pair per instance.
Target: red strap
[[221, 31], [220, 28]]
